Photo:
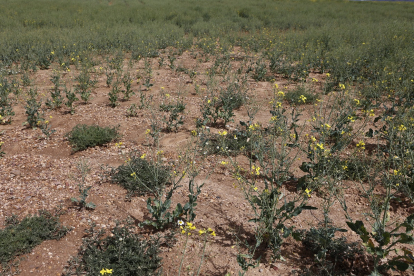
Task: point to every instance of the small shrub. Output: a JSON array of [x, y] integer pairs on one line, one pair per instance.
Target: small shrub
[[122, 252], [83, 136], [20, 237], [140, 176]]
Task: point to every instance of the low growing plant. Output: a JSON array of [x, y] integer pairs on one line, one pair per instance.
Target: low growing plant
[[82, 137], [140, 176], [20, 237], [122, 252]]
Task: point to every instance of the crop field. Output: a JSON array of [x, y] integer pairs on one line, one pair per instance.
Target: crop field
[[249, 137]]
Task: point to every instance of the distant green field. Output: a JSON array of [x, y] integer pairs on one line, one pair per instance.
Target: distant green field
[[354, 41]]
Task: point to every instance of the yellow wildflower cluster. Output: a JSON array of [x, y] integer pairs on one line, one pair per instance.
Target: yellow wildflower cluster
[[187, 227], [105, 271], [255, 170], [254, 127], [223, 133], [302, 98], [361, 145]]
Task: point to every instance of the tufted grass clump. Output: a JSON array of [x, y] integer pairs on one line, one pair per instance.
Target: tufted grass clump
[[140, 176], [122, 252], [83, 136], [20, 237]]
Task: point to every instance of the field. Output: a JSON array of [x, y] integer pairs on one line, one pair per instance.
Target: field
[[206, 138]]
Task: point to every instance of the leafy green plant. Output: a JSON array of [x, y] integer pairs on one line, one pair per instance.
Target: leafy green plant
[[113, 94], [71, 99], [85, 84], [127, 81], [6, 109], [57, 98], [173, 120], [122, 253], [20, 237], [331, 254], [83, 169], [34, 115], [221, 107], [82, 137], [141, 176], [2, 153]]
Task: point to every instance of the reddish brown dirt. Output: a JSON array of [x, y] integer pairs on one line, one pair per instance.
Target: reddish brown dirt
[[41, 173]]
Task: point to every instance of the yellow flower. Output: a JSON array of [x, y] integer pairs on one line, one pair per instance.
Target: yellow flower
[[328, 75], [201, 232], [143, 156], [280, 94], [402, 128], [320, 145], [224, 162], [133, 174], [147, 131], [314, 80], [302, 98], [342, 86], [395, 172], [255, 188], [224, 133], [194, 132], [167, 95], [361, 145], [307, 192], [160, 152], [105, 271], [208, 101], [278, 104]]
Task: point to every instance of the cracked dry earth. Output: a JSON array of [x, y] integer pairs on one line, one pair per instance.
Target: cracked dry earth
[[38, 173]]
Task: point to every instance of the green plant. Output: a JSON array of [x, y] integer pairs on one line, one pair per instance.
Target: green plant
[[122, 253], [332, 254], [272, 152], [6, 109], [83, 169], [82, 137], [2, 153], [140, 176], [221, 106], [173, 120], [57, 98], [71, 98], [127, 81], [34, 116], [300, 95], [113, 94], [20, 237], [85, 84]]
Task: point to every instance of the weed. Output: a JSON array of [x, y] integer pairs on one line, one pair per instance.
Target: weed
[[57, 98], [122, 252], [83, 169], [20, 237], [85, 84], [71, 98], [82, 137], [34, 115], [140, 176]]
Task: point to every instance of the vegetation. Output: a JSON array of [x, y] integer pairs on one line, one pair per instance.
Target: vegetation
[[20, 237], [83, 136], [345, 110]]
